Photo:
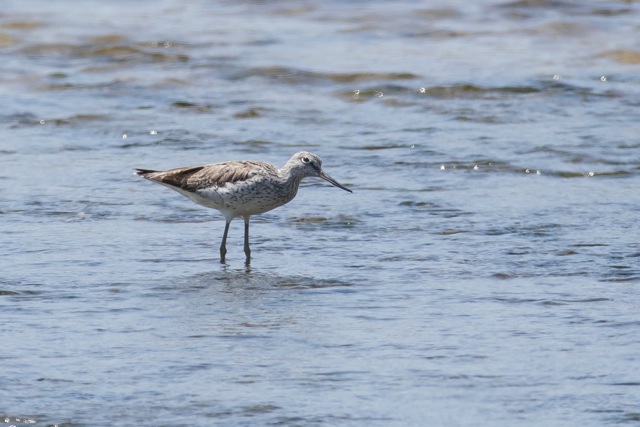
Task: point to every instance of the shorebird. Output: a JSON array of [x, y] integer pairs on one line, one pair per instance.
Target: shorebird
[[241, 188]]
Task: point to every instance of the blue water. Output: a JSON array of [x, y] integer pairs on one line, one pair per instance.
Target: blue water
[[483, 272]]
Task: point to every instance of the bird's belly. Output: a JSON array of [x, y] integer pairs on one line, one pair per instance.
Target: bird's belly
[[239, 200]]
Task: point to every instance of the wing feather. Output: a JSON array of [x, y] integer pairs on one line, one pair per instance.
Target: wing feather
[[201, 177]]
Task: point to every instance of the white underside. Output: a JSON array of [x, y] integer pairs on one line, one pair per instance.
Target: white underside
[[237, 200]]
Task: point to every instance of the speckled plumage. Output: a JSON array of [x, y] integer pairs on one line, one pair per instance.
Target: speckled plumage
[[241, 188]]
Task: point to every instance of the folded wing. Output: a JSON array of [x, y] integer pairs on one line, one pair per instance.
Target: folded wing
[[203, 177]]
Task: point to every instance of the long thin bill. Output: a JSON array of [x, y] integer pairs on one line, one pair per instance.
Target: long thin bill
[[333, 181]]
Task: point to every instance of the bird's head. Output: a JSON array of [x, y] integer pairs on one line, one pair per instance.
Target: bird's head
[[306, 164]]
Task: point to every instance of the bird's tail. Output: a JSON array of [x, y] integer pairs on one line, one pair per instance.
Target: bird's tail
[[144, 172]]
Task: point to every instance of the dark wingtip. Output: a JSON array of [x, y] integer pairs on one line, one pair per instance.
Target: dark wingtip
[[143, 172]]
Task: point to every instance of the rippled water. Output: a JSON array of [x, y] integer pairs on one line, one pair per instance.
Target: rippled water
[[485, 270]]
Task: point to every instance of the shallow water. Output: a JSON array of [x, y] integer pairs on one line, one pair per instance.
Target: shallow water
[[483, 272]]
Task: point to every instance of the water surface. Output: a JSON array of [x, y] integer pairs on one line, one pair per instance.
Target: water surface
[[483, 272]]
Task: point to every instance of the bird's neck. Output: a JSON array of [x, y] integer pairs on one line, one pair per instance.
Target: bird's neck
[[290, 181]]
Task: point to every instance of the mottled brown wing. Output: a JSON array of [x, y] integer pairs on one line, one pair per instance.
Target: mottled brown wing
[[201, 177], [174, 177]]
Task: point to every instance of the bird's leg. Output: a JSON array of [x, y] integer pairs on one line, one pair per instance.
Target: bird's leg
[[223, 246], [247, 250]]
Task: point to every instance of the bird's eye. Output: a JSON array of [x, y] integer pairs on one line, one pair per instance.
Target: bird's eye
[[305, 160]]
